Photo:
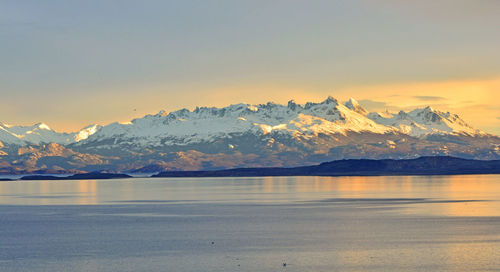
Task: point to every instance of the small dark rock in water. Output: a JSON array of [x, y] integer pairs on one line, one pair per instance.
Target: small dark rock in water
[[284, 264], [213, 243]]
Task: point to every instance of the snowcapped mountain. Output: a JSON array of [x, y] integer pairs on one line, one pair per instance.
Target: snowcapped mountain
[[205, 124], [421, 122], [41, 133], [329, 117], [355, 106], [251, 135]]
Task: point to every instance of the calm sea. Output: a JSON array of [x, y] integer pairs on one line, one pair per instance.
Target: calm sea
[[409, 223]]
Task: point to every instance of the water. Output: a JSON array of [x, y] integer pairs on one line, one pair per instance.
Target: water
[[441, 223]]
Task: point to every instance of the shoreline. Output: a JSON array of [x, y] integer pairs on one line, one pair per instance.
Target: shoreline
[[423, 166]]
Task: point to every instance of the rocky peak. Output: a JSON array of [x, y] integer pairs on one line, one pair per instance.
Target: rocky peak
[[353, 105]]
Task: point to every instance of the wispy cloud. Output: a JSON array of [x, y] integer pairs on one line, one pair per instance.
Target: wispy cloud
[[429, 98], [372, 103]]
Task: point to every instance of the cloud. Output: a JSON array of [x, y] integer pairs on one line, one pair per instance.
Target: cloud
[[429, 98], [374, 105], [368, 103]]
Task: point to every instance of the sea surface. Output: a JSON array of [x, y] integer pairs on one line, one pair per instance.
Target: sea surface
[[407, 223]]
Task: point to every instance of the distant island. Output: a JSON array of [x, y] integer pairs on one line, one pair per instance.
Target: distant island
[[437, 165], [93, 175]]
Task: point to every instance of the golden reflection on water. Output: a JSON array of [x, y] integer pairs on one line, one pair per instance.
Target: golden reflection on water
[[481, 190], [467, 195], [87, 190], [49, 192], [460, 195]]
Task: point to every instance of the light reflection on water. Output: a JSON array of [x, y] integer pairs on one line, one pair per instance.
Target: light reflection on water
[[466, 195], [409, 223]]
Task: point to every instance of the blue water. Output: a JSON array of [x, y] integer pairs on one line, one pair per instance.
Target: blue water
[[441, 223]]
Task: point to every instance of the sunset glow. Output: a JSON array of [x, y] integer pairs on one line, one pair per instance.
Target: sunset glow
[[101, 62]]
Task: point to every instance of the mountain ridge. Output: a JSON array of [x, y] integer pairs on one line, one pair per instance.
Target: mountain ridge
[[242, 134], [372, 121]]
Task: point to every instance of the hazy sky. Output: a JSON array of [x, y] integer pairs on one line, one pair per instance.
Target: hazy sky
[[71, 63]]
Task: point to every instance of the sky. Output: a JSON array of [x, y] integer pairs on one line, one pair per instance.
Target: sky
[[73, 63]]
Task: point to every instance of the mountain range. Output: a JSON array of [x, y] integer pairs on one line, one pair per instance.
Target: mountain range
[[244, 135]]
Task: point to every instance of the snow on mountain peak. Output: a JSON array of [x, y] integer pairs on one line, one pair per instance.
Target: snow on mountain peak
[[86, 132], [206, 123], [183, 126], [253, 108], [330, 100], [4, 125], [352, 104], [41, 133], [423, 121], [42, 126]]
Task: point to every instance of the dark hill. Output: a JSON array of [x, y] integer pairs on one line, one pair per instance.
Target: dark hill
[[440, 165]]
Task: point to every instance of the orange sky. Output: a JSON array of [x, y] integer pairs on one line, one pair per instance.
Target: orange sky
[[474, 100], [70, 65]]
